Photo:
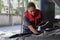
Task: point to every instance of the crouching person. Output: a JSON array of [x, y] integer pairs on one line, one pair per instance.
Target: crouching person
[[32, 19]]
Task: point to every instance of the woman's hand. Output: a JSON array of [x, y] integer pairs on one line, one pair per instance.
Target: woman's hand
[[33, 30], [41, 22], [36, 33]]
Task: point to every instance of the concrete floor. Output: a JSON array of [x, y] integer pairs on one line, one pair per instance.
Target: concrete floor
[[11, 30]]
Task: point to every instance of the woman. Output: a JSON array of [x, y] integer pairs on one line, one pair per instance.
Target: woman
[[32, 19]]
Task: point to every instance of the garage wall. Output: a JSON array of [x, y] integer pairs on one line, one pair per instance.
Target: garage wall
[[4, 20], [16, 20]]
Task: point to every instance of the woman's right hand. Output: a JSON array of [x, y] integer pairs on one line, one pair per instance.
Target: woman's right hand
[[34, 31]]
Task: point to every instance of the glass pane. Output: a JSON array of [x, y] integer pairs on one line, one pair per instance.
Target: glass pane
[[17, 7], [11, 7], [57, 11], [4, 6]]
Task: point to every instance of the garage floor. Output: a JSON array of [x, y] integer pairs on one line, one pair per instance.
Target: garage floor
[[10, 30]]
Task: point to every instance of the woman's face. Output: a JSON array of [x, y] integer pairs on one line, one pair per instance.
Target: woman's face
[[31, 10]]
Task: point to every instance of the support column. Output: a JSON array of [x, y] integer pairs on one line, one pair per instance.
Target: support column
[[42, 5], [10, 19]]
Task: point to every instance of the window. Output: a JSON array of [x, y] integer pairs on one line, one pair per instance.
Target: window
[[4, 6], [11, 7], [57, 11], [17, 7]]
